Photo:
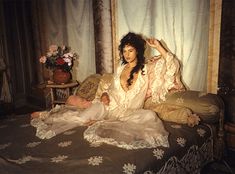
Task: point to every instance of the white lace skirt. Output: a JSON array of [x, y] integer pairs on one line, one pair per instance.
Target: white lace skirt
[[135, 129], [131, 129]]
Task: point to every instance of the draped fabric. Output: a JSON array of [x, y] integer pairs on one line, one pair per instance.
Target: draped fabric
[[80, 31], [182, 24], [5, 94], [69, 23], [103, 33]]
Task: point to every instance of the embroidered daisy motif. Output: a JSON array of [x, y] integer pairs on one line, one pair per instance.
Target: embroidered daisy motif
[[4, 146], [158, 153], [201, 132], [176, 126], [22, 160], [33, 144], [129, 168], [180, 100], [65, 143], [95, 160], [3, 126], [69, 132], [25, 125], [181, 141], [59, 158]]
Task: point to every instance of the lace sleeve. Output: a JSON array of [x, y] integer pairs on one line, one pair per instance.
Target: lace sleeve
[[164, 77]]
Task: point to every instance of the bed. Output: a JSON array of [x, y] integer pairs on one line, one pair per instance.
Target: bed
[[190, 149]]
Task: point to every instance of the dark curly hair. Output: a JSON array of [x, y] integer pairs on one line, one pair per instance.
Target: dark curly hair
[[136, 41]]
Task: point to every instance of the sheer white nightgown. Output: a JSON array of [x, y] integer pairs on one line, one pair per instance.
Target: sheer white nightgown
[[123, 123]]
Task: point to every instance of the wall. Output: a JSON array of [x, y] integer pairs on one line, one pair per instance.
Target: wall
[[227, 59]]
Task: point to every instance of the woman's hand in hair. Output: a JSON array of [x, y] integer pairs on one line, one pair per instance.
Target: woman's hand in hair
[[154, 43]]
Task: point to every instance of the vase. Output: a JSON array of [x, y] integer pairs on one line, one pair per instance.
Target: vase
[[60, 76]]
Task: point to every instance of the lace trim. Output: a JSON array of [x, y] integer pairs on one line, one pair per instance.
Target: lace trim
[[91, 136], [164, 76], [42, 131], [138, 84]]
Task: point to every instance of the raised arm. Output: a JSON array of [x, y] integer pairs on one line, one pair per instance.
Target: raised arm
[[154, 43]]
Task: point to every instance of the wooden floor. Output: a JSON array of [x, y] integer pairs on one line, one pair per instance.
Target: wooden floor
[[225, 166]]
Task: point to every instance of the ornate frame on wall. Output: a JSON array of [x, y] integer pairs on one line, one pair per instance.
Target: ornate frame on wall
[[214, 42]]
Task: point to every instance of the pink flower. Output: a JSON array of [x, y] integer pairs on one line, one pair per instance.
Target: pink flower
[[53, 48], [68, 55], [43, 59]]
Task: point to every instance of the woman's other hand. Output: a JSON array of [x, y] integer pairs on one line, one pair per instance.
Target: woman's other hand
[[105, 98]]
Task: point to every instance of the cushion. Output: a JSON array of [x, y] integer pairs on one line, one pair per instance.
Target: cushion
[[206, 105], [87, 89]]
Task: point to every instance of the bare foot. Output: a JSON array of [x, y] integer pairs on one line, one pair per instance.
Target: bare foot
[[35, 115]]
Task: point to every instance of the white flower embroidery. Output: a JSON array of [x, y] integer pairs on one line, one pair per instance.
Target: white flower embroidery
[[65, 143], [58, 158], [22, 160], [33, 144], [181, 141], [95, 160], [158, 153], [4, 146], [25, 125], [180, 100], [69, 132], [129, 168], [176, 126], [3, 126], [201, 132]]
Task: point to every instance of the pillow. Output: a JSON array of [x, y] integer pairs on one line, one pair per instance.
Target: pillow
[[87, 89], [206, 105], [169, 112]]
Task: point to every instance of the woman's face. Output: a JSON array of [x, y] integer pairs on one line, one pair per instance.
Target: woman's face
[[130, 53]]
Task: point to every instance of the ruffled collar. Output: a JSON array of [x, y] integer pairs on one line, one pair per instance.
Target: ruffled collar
[[138, 84]]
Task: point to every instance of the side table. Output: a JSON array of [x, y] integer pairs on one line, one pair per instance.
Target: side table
[[60, 92]]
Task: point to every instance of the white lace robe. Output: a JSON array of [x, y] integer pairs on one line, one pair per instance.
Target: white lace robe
[[123, 123]]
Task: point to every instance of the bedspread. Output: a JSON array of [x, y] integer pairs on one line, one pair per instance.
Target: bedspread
[[68, 153]]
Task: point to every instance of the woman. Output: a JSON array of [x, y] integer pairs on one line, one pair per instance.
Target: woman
[[123, 121]]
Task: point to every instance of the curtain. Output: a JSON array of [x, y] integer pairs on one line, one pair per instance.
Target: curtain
[[80, 31], [70, 22], [103, 36], [183, 25]]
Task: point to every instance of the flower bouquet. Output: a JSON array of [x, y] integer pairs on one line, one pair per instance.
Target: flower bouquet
[[60, 61]]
